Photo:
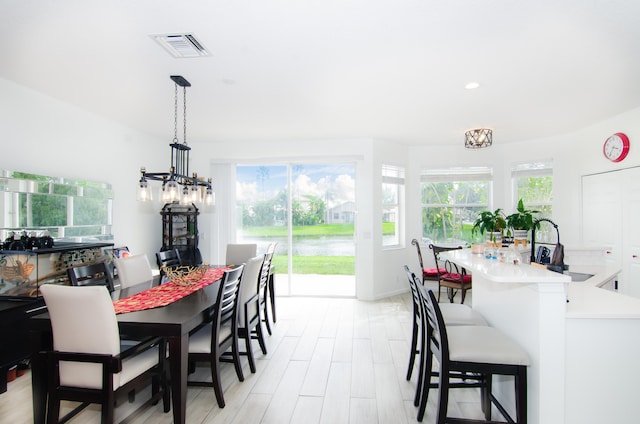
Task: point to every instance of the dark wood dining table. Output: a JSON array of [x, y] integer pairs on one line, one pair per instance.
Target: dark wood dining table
[[174, 321]]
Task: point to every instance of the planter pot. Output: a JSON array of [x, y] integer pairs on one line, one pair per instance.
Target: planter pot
[[520, 237], [493, 239], [477, 248]]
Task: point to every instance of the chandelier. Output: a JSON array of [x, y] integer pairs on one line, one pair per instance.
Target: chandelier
[[177, 184], [478, 138]]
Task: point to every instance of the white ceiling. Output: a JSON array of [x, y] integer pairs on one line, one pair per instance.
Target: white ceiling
[[312, 69]]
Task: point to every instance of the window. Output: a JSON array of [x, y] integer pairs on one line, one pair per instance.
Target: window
[[533, 183], [392, 205], [451, 200]]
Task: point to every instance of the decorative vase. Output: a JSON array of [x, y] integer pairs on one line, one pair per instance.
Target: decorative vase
[[493, 239], [520, 237]]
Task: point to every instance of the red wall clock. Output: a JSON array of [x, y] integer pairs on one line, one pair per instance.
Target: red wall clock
[[616, 147]]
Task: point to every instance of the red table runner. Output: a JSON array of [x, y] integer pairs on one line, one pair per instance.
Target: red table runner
[[164, 294]]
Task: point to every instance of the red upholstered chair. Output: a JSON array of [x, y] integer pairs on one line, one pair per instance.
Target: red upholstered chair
[[453, 278], [427, 273]]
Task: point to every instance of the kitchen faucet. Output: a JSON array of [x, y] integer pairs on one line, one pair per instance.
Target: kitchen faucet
[[536, 224]]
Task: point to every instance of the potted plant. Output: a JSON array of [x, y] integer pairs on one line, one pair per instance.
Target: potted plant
[[491, 223], [521, 222]]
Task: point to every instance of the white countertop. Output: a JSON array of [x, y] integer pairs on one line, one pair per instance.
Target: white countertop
[[586, 299], [499, 272]]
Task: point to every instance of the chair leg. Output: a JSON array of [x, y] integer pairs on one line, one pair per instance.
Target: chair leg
[[425, 382], [260, 338], [464, 293], [215, 379], [266, 316], [414, 345], [53, 412], [107, 408], [421, 377], [443, 395], [486, 391], [166, 392], [521, 395], [451, 293], [236, 360], [247, 343], [272, 296]]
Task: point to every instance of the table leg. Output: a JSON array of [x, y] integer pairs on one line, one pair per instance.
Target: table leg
[[3, 379], [39, 387], [178, 361], [272, 296]]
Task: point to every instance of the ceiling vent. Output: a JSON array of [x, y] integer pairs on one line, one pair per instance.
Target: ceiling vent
[[181, 45]]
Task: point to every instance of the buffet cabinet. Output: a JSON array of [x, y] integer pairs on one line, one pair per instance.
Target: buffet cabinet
[[180, 231], [22, 273]]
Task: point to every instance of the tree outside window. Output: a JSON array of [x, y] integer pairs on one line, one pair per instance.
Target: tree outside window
[[533, 183], [451, 200]]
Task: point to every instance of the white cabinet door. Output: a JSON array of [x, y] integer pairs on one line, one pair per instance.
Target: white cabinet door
[[611, 218], [631, 231], [602, 213]]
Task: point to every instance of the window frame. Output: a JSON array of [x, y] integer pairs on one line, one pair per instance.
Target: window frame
[[478, 174], [395, 176]]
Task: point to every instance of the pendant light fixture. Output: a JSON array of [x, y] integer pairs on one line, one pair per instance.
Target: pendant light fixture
[[177, 184], [478, 138]]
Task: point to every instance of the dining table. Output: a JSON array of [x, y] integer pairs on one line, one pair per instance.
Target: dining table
[[173, 322]]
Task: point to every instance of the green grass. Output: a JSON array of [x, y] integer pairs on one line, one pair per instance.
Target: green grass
[[301, 230], [334, 265], [311, 230]]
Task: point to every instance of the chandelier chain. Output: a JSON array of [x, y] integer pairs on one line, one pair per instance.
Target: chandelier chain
[[175, 115], [184, 112]]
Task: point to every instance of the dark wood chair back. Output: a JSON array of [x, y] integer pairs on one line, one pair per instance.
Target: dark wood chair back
[[168, 258], [91, 275], [263, 285], [220, 336]]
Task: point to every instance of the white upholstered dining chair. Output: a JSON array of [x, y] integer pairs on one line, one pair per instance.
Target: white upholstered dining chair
[[132, 270], [87, 363], [249, 322], [240, 253]]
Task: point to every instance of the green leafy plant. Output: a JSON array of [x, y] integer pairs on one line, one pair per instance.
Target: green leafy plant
[[491, 222], [522, 219]]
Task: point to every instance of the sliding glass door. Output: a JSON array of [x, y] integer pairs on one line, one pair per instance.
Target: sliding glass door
[[309, 209]]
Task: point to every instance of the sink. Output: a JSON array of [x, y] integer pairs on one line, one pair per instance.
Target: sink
[[578, 276]]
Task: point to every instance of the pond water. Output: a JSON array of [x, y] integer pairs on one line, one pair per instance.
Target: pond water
[[308, 246]]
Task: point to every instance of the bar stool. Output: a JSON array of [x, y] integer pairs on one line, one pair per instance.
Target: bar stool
[[455, 314], [479, 351]]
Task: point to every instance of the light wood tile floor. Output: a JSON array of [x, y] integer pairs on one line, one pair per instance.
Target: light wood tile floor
[[329, 360]]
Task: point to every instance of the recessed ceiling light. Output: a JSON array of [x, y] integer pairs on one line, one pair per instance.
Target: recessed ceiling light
[[472, 85]]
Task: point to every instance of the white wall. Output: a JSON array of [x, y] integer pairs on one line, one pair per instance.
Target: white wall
[[574, 154], [43, 136]]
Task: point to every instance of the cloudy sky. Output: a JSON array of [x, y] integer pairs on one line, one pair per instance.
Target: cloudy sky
[[335, 183]]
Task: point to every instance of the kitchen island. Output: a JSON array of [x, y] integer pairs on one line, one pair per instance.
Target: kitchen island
[[583, 340]]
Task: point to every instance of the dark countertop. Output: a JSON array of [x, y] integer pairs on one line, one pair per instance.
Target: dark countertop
[[61, 247]]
